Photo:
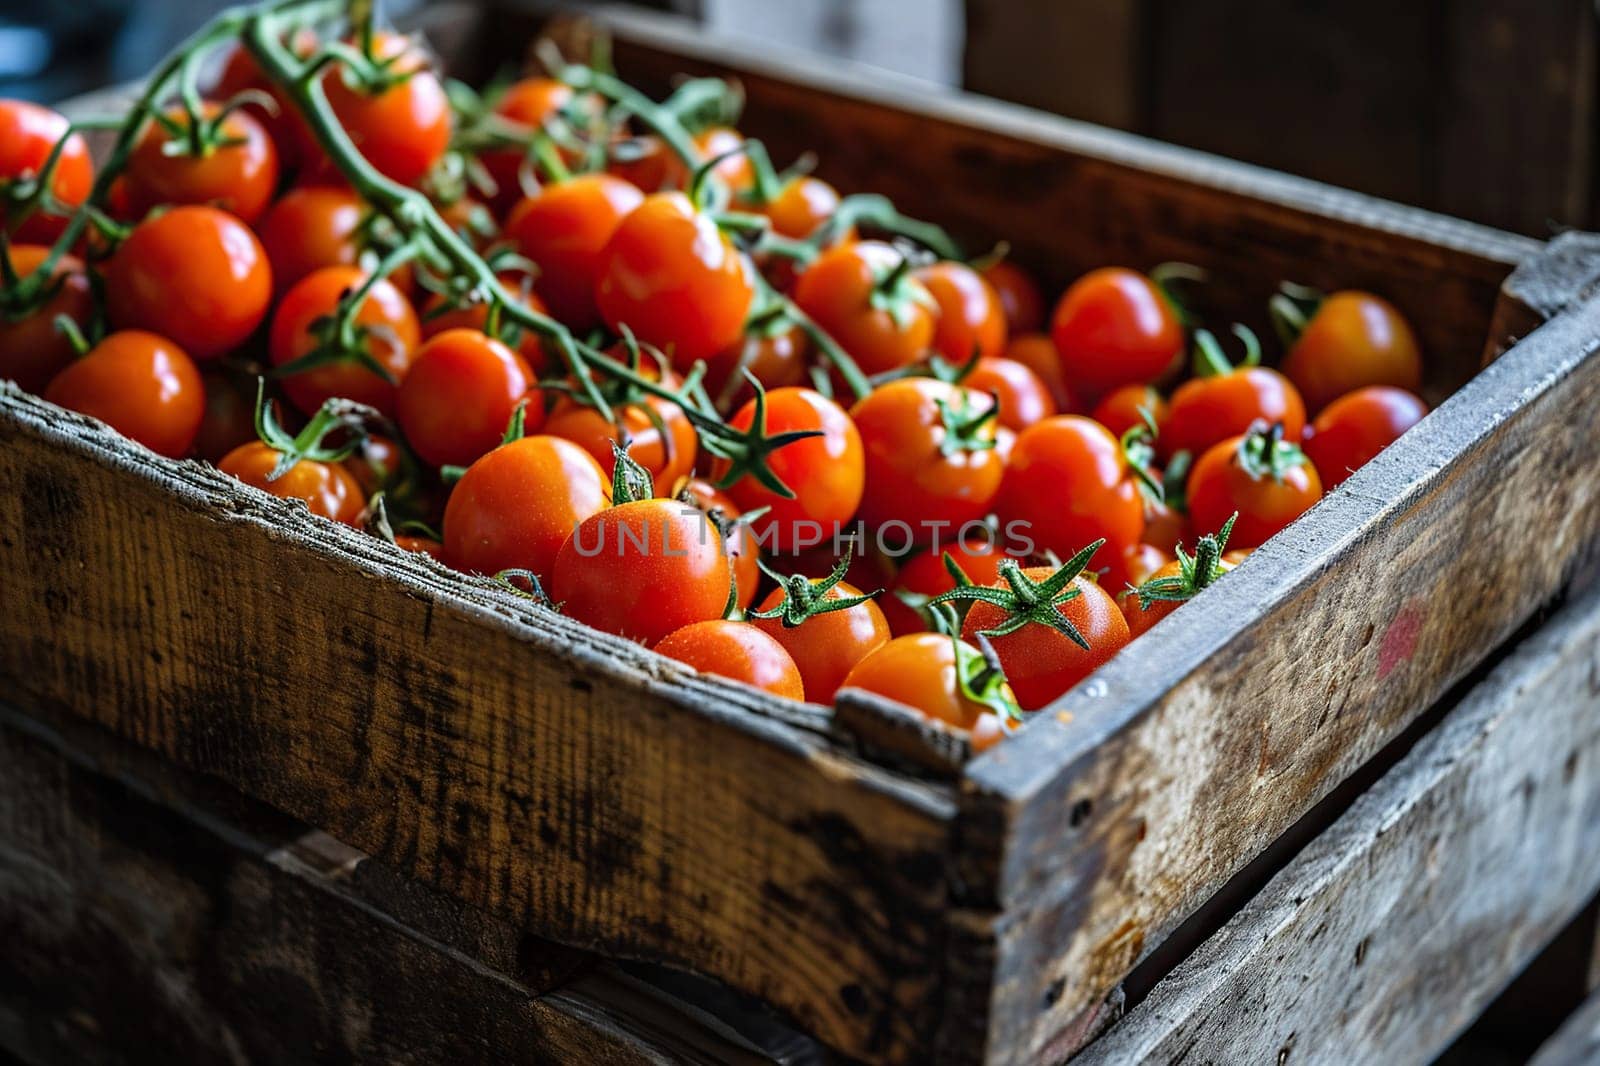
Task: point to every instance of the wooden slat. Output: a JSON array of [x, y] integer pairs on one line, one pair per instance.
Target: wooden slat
[[1386, 937], [1577, 1042], [599, 795]]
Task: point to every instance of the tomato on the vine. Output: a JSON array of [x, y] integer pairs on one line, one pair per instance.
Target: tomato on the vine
[[318, 226], [1024, 397], [530, 103], [648, 164], [563, 229], [1262, 477], [437, 317], [1115, 327], [736, 650], [326, 488], [801, 206], [776, 358], [925, 575], [196, 275], [402, 128], [946, 680], [1225, 400], [238, 173], [1357, 426], [387, 332], [659, 435], [284, 124], [735, 170], [28, 134], [32, 350], [865, 295], [970, 322], [1345, 342], [458, 396], [825, 646], [141, 385], [670, 275], [1020, 299]]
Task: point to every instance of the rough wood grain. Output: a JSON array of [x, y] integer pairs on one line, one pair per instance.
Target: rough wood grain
[[1387, 936], [1577, 1043]]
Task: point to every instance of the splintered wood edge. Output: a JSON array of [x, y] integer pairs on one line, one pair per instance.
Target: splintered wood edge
[[886, 727], [1415, 908]]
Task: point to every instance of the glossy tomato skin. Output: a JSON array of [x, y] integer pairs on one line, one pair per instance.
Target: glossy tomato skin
[[516, 506], [327, 488], [313, 227], [642, 570], [736, 650], [28, 133], [825, 473], [1118, 410], [1135, 565], [1206, 410], [1042, 664], [457, 399], [392, 340], [739, 545], [287, 128], [660, 436], [671, 276], [919, 670], [1069, 481], [1353, 340], [1038, 353], [402, 130], [1356, 427], [564, 230], [912, 478], [801, 206], [1165, 526], [652, 166], [836, 291], [971, 322], [143, 386], [1219, 486], [238, 177], [924, 574], [826, 647], [1024, 397], [32, 350], [1020, 299], [717, 141], [196, 275], [1114, 327]]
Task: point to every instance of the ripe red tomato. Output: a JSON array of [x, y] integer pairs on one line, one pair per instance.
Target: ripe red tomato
[[1115, 327], [1069, 481], [288, 130], [314, 227], [32, 350], [1356, 427], [239, 174], [458, 397], [736, 650], [735, 170], [391, 337], [564, 230], [1354, 339], [642, 570], [1136, 564], [825, 473], [826, 647], [660, 436], [1020, 299], [194, 274], [404, 129], [475, 315], [28, 133], [1225, 401], [924, 670], [863, 295], [925, 575], [529, 103], [1119, 409], [1267, 481], [930, 456], [1024, 397], [1038, 353], [1040, 662], [516, 506], [229, 417], [671, 276], [1164, 526], [327, 488], [739, 543], [776, 359], [141, 385], [1141, 618], [649, 165], [970, 322], [801, 206]]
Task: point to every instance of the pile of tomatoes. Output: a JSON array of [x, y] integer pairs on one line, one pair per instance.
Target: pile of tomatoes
[[806, 450]]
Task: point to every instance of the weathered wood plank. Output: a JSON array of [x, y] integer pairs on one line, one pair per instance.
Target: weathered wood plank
[[1386, 937], [1577, 1043], [1123, 807], [601, 796]]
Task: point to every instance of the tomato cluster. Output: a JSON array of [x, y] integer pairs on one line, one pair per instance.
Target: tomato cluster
[[601, 348]]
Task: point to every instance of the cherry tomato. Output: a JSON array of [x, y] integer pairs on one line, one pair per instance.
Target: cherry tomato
[[1114, 327], [564, 229], [1269, 484], [776, 359], [642, 570], [1356, 427], [458, 397], [141, 385], [736, 650], [1069, 481], [970, 322], [739, 543], [924, 574], [671, 276], [327, 488], [826, 647], [516, 506], [283, 123], [660, 436], [825, 473], [735, 170], [194, 274], [1024, 398], [314, 227], [32, 350], [648, 165], [390, 336], [404, 129], [1137, 564], [1119, 410], [1141, 619], [1165, 527], [1353, 339], [28, 133], [1020, 300], [930, 456], [238, 174], [1038, 353], [1041, 663], [863, 296], [476, 316], [1205, 410], [801, 206], [921, 670], [529, 103], [229, 417]]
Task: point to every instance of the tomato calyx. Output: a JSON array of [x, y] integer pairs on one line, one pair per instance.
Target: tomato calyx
[[1026, 601], [1167, 278], [630, 481], [964, 424], [310, 444], [804, 599], [1292, 308], [898, 292], [341, 338], [746, 451], [1264, 453], [1210, 361], [1195, 572], [1138, 446]]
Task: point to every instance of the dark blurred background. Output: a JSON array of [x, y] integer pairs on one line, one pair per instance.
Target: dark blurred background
[[1479, 108]]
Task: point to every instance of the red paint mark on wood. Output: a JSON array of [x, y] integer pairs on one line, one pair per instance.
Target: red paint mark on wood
[[1400, 639]]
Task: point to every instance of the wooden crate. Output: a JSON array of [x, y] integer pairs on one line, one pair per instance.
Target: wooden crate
[[901, 905]]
